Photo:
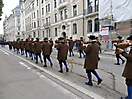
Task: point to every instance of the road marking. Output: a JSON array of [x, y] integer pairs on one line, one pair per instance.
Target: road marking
[[4, 52], [24, 65], [7, 51], [81, 89]]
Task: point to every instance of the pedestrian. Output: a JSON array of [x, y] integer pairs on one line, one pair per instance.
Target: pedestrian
[[31, 44], [127, 73], [62, 48], [26, 46], [37, 50], [118, 57], [70, 46], [22, 47], [80, 47], [47, 49], [91, 60]]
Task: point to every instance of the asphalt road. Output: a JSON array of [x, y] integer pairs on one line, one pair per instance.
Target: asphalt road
[[21, 78]]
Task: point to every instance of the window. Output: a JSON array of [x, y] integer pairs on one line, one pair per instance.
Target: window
[[38, 34], [42, 1], [74, 10], [89, 26], [55, 31], [56, 17], [18, 21], [55, 4], [42, 11], [48, 7], [96, 5], [37, 2], [18, 33], [34, 14], [17, 12], [66, 14], [43, 34], [47, 33], [74, 28], [34, 24], [37, 13], [33, 6], [61, 15], [18, 27], [89, 5], [96, 25], [38, 23], [34, 34]]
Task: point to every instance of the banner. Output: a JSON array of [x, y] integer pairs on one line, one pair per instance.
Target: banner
[[104, 32]]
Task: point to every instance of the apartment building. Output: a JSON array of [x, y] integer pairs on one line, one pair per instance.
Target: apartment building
[[12, 25], [51, 18]]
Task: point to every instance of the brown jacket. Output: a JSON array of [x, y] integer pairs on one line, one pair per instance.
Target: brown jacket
[[127, 73], [37, 48], [26, 44], [46, 48], [91, 59], [62, 51], [22, 45], [71, 44], [31, 45]]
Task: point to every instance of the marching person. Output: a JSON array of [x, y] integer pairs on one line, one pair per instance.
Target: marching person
[[47, 48], [91, 60], [31, 44], [127, 73], [62, 48], [118, 57], [80, 47], [71, 44], [22, 47], [37, 50], [26, 45]]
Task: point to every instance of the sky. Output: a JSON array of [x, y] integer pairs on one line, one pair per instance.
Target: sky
[[7, 10]]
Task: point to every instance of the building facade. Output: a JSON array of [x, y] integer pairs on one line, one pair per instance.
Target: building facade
[[12, 25], [51, 18]]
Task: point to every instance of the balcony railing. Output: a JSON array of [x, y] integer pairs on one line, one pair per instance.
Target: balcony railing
[[62, 4], [91, 9], [46, 25]]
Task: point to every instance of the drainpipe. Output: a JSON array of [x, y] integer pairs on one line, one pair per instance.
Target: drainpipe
[[83, 18]]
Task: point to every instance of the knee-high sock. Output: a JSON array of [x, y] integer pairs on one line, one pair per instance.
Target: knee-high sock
[[49, 60], [65, 64], [36, 58], [61, 67], [95, 73], [89, 78], [118, 60], [44, 61], [40, 57], [129, 89], [121, 58]]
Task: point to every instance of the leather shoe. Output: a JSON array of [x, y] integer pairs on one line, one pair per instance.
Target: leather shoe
[[51, 64], [67, 69], [117, 64], [45, 65], [99, 81], [87, 83], [123, 62], [124, 98], [60, 71]]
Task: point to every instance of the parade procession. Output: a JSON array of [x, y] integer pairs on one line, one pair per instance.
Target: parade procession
[[65, 49]]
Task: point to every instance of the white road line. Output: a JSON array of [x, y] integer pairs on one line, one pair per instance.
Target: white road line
[[7, 51], [24, 65], [4, 52], [81, 89]]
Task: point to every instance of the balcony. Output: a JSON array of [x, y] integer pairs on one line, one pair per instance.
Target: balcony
[[91, 11], [62, 4], [46, 25]]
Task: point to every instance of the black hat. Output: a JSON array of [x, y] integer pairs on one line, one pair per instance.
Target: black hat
[[130, 37], [32, 39], [92, 37], [70, 37], [61, 38], [81, 38], [119, 37], [37, 38], [45, 38]]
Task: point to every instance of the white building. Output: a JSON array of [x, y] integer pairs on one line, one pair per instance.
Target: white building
[[12, 25]]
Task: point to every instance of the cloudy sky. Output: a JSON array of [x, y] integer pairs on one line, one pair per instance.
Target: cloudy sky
[[8, 6]]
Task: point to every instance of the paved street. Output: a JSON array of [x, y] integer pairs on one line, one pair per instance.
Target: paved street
[[22, 78]]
